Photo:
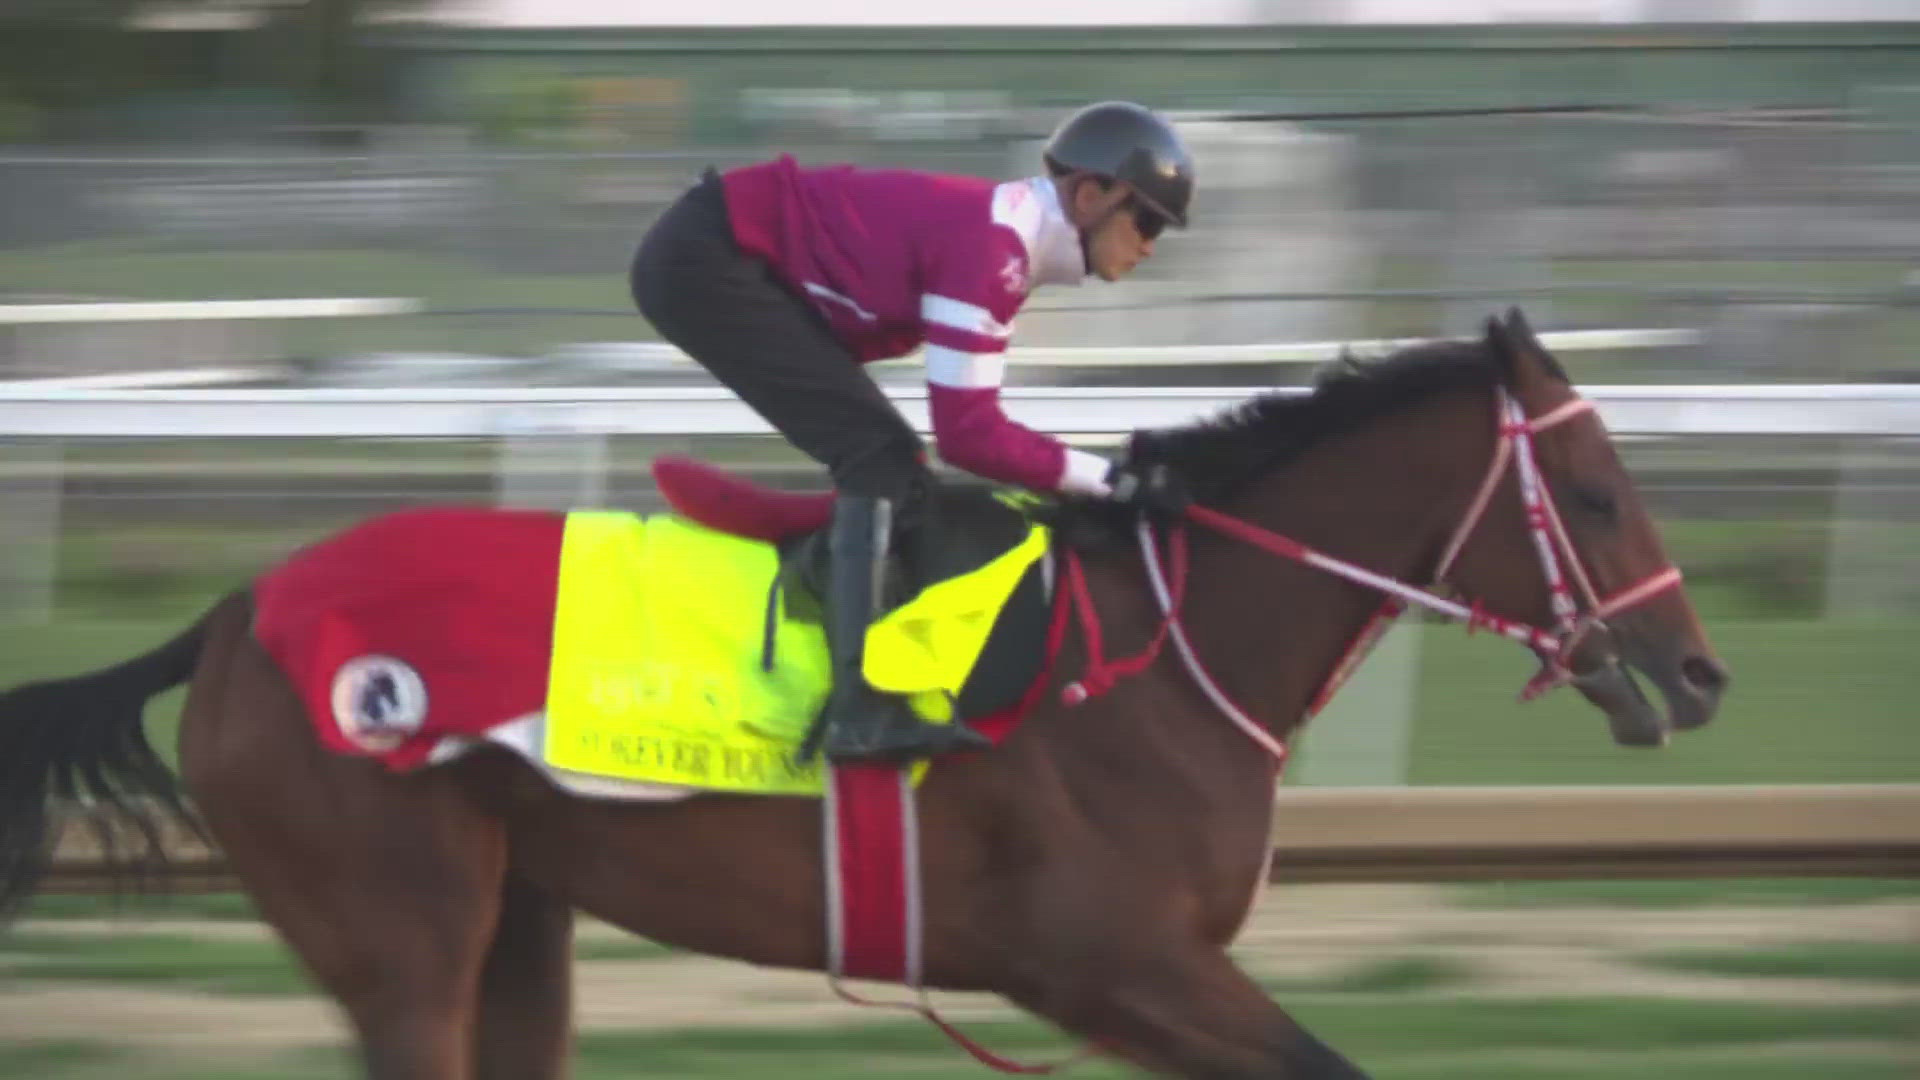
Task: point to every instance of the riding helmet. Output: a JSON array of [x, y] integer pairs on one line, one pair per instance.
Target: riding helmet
[[1123, 141]]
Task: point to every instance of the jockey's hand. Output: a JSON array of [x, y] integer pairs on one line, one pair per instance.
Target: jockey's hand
[[1149, 488]]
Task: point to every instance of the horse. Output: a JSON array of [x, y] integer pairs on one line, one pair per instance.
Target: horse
[[1092, 869]]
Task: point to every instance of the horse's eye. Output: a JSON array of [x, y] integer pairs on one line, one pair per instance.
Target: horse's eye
[[1596, 500]]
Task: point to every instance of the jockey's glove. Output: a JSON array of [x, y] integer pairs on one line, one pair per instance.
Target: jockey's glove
[[1148, 487]]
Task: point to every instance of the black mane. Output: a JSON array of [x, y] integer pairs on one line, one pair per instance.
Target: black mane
[[1219, 455]]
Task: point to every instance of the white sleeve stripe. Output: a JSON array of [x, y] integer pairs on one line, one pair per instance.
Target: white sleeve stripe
[[964, 370], [960, 315]]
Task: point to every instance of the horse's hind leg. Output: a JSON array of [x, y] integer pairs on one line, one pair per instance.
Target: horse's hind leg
[[523, 1028], [1190, 1013], [386, 887]]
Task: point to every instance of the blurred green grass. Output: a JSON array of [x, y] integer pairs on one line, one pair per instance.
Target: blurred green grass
[[194, 907], [1685, 893], [1868, 961], [65, 1059], [254, 967], [1828, 701], [1380, 1035], [186, 962], [1392, 975], [200, 963]]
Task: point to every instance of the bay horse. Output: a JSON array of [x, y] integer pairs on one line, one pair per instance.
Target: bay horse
[[1092, 869]]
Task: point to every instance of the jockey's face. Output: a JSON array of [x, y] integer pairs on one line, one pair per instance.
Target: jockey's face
[[1120, 230]]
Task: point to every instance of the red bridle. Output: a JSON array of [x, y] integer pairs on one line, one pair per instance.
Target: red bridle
[[1554, 646], [1550, 539]]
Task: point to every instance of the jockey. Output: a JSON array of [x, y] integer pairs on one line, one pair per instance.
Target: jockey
[[782, 280]]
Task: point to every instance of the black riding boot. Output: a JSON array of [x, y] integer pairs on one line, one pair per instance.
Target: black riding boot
[[861, 723]]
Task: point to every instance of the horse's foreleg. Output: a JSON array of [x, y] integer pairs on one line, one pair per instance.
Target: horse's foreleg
[[526, 989], [1190, 1013]]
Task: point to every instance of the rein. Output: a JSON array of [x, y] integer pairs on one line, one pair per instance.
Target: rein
[[1554, 646]]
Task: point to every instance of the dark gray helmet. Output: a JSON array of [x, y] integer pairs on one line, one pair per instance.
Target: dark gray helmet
[[1123, 141]]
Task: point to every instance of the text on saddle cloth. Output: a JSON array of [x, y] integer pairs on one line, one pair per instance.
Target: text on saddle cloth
[[659, 638]]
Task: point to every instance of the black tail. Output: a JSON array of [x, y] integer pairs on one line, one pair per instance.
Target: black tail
[[80, 741]]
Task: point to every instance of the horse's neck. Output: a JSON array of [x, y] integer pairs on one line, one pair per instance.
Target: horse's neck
[[1271, 630], [1154, 761]]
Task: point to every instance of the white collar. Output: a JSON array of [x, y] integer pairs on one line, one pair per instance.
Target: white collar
[[1031, 208]]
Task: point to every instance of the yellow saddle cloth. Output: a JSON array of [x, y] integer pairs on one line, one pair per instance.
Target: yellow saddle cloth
[[660, 666]]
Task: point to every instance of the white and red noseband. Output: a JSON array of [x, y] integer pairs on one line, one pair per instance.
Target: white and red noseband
[[1550, 540]]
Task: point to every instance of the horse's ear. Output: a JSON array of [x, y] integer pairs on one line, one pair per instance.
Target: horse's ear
[[1527, 345], [1499, 342], [1524, 339], [1519, 349]]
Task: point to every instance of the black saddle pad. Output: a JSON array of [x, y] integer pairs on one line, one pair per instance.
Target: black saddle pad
[[957, 529]]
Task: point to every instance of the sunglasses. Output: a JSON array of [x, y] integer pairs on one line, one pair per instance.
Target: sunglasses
[[1147, 220]]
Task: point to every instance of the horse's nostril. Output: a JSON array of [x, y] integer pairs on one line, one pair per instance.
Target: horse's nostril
[[1704, 675]]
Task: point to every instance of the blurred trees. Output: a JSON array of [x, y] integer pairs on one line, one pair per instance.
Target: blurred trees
[[97, 68], [58, 56]]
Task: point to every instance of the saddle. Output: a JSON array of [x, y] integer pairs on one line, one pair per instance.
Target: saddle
[[960, 529]]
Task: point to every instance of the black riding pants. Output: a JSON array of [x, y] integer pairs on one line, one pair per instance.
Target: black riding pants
[[729, 312]]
